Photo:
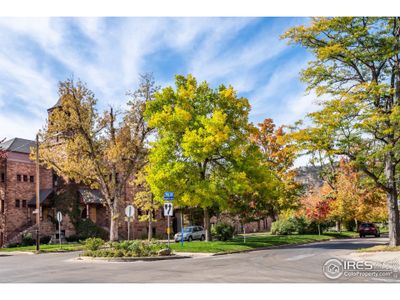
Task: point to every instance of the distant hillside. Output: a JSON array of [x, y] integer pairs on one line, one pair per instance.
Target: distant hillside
[[309, 176]]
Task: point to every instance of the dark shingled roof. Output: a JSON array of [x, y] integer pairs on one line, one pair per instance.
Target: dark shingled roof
[[44, 195], [18, 145], [91, 196], [58, 104]]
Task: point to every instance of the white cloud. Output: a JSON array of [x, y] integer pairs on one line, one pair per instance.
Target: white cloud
[[216, 61], [114, 51], [297, 107], [281, 80], [41, 30], [109, 62], [16, 125]]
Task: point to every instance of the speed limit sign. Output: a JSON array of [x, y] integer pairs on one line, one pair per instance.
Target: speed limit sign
[[168, 209]]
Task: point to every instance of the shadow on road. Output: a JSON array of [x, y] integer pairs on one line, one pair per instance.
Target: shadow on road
[[345, 244]]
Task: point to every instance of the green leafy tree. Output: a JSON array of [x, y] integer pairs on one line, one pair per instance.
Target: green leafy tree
[[96, 150], [261, 190], [202, 137], [356, 73]]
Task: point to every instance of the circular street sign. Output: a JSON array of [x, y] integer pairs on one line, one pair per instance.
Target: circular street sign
[[59, 216], [129, 211]]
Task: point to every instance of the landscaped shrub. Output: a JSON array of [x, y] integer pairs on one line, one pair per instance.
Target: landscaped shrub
[[74, 238], [222, 231], [350, 225], [93, 244], [303, 225], [383, 227], [282, 227], [45, 239], [136, 248], [86, 229], [27, 240]]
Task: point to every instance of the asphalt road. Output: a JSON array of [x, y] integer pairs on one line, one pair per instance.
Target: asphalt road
[[290, 264]]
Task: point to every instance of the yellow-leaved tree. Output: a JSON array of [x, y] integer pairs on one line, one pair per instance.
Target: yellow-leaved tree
[[101, 151]]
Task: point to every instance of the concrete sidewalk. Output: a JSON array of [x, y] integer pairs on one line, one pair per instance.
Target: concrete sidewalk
[[388, 257]]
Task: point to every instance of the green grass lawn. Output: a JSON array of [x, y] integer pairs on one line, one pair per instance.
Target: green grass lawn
[[45, 248], [253, 242]]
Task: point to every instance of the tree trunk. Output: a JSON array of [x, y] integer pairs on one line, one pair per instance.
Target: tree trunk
[[113, 227], [150, 235], [114, 214], [337, 226], [207, 225], [393, 209]]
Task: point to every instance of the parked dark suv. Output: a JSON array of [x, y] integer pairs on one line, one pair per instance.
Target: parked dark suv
[[368, 229]]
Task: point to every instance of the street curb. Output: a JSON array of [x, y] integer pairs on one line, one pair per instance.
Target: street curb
[[131, 259], [278, 246]]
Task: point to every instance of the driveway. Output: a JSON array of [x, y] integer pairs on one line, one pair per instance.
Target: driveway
[[301, 263]]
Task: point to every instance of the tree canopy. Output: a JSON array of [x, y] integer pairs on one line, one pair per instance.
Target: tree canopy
[[356, 73], [202, 151], [102, 151]]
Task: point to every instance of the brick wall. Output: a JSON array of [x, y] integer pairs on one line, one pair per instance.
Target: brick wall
[[257, 226], [18, 190], [18, 219]]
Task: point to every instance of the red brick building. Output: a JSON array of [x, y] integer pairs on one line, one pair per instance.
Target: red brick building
[[17, 188], [18, 200]]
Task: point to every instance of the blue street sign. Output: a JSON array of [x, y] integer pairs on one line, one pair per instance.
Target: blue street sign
[[169, 196]]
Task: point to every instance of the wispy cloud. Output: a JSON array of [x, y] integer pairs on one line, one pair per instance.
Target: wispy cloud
[[218, 62], [109, 53]]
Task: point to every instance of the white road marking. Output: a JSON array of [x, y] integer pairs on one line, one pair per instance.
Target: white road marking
[[299, 257]]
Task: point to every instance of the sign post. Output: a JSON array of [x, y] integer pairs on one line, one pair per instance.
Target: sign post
[[129, 212], [59, 219], [168, 211]]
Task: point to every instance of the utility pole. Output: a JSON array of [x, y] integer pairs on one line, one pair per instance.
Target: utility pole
[[37, 195]]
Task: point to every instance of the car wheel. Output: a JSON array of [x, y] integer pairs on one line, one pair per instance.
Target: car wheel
[[202, 237], [190, 239]]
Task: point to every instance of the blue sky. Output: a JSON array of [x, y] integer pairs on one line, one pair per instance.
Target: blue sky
[[109, 53]]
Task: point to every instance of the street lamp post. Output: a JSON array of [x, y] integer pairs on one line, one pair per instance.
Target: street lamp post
[[37, 195]]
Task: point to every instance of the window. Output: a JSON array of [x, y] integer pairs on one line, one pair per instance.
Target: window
[[18, 177], [32, 178], [25, 178], [23, 203], [55, 180], [17, 203], [3, 177], [2, 206]]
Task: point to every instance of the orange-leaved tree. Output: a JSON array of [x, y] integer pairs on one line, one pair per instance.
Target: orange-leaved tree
[[278, 155], [356, 198], [315, 206]]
